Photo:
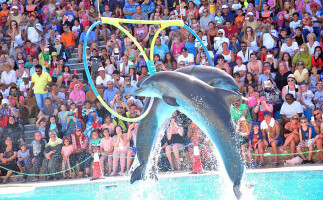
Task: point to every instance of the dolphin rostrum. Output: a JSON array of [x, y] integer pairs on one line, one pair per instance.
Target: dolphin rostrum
[[208, 107]]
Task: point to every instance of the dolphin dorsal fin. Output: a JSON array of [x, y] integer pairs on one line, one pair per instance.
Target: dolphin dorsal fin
[[170, 100]]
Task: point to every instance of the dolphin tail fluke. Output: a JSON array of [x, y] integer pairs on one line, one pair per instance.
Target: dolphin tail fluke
[[236, 190]]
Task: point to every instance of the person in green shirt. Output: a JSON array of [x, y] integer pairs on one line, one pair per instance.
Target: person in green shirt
[[240, 109]]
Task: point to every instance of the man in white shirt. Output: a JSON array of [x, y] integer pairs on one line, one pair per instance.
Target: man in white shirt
[[124, 66], [289, 47], [269, 38], [33, 30], [245, 53], [103, 78], [188, 58]]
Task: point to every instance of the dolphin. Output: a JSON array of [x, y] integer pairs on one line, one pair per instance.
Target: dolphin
[[208, 107], [160, 112]]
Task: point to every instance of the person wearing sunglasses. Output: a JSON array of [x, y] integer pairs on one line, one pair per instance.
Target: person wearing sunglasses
[[289, 108], [291, 135], [292, 88]]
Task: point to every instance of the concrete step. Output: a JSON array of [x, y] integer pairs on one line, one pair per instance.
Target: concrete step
[[30, 127], [100, 47]]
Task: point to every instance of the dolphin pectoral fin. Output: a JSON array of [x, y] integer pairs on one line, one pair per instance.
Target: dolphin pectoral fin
[[170, 100], [138, 174], [236, 190]]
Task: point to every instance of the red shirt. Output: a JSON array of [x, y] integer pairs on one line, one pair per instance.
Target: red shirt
[[230, 33]]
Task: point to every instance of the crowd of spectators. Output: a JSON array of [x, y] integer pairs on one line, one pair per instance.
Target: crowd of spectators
[[273, 50]]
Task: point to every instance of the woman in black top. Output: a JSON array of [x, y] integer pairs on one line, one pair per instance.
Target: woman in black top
[[175, 136]]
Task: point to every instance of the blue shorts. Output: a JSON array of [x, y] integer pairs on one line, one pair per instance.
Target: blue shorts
[[23, 162], [279, 141], [134, 149]]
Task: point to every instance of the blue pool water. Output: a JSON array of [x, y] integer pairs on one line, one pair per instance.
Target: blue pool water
[[285, 186]]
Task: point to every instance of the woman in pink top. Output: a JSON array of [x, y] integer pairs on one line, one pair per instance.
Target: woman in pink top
[[66, 151], [121, 146], [252, 97], [106, 148], [176, 47], [77, 95]]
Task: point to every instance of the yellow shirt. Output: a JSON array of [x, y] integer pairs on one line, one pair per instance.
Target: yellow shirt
[[40, 82], [212, 8]]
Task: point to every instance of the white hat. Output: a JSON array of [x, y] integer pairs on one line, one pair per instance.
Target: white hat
[[101, 69], [25, 75], [291, 76], [5, 101], [46, 49], [225, 6], [131, 98], [14, 7], [250, 13]]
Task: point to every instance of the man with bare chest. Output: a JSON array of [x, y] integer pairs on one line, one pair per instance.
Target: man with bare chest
[[255, 66], [270, 131]]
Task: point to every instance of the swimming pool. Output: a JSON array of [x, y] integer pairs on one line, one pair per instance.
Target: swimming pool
[[286, 185]]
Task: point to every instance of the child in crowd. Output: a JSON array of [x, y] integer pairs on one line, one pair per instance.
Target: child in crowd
[[66, 151], [212, 7], [164, 37], [106, 148], [306, 140], [74, 109], [41, 125], [308, 22], [299, 37], [243, 131], [62, 116], [219, 20], [256, 145], [94, 145], [295, 23], [96, 125], [307, 98], [239, 20], [236, 5], [23, 157]]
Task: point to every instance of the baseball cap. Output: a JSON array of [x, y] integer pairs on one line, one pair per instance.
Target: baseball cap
[[46, 49], [54, 54], [5, 101], [291, 76], [132, 67], [250, 13], [255, 124], [96, 49], [238, 57], [266, 113], [184, 49], [225, 6], [101, 69], [14, 7], [315, 84], [25, 75], [266, 68]]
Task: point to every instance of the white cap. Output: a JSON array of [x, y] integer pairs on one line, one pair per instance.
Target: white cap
[[5, 101], [14, 7], [250, 13], [225, 6], [25, 75], [291, 76], [46, 49], [101, 69]]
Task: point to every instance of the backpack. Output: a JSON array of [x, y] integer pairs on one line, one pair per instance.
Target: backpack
[[4, 119]]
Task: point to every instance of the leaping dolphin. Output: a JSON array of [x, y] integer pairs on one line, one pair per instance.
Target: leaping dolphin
[[208, 107], [160, 112]]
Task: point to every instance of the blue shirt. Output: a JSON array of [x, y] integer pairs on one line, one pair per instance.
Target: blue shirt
[[92, 36], [161, 51], [190, 47], [229, 16], [109, 95], [130, 8], [130, 90], [148, 8], [233, 49]]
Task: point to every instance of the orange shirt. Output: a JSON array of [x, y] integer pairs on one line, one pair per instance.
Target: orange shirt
[[239, 21], [68, 39], [4, 14]]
